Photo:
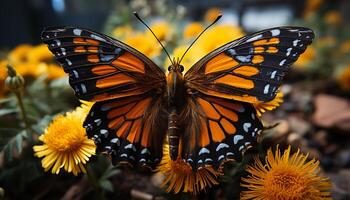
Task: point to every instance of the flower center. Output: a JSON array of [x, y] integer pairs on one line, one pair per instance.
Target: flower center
[[65, 134], [180, 166]]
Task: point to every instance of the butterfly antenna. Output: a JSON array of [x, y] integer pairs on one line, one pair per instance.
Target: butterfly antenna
[[216, 20], [138, 17]]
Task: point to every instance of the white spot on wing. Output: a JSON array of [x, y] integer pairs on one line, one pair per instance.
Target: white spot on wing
[[58, 42], [96, 37], [83, 88], [295, 42], [221, 146], [244, 58], [246, 126], [69, 62], [77, 32], [75, 74], [266, 88], [273, 74], [106, 58], [282, 62], [237, 138], [203, 150], [145, 151], [63, 51], [275, 32], [288, 51], [221, 157], [254, 38]]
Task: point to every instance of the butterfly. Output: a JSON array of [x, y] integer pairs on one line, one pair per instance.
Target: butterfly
[[206, 115]]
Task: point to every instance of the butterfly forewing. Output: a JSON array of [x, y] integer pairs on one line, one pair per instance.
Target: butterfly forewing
[[250, 69], [100, 67], [127, 86]]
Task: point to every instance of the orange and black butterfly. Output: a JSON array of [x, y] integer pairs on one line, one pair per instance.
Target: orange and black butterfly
[[206, 114]]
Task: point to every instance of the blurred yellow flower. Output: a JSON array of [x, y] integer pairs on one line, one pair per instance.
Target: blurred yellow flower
[[262, 107], [211, 14], [333, 18], [327, 41], [192, 30], [179, 176], [3, 75], [40, 53], [65, 144], [191, 57], [19, 54], [122, 31], [145, 43], [344, 78], [34, 61], [306, 58], [311, 6], [285, 177], [162, 30], [345, 46]]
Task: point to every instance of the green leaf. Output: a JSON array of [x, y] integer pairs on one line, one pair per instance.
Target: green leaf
[[111, 171], [106, 185], [7, 111], [14, 145], [6, 100]]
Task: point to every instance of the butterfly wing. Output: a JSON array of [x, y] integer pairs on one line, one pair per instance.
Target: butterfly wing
[[221, 120], [217, 130], [251, 68], [101, 67], [126, 86]]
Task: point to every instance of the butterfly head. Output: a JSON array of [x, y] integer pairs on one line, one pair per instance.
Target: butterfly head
[[176, 66]]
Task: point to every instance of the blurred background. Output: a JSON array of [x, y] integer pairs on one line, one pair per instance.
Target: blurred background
[[315, 114]]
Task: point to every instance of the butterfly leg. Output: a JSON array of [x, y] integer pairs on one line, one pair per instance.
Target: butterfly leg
[[173, 134]]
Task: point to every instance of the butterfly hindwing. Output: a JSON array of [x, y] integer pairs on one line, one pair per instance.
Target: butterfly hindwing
[[100, 67], [251, 68], [217, 130], [128, 129]]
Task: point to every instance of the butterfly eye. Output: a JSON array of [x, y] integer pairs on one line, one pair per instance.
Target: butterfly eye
[[181, 68], [170, 68]]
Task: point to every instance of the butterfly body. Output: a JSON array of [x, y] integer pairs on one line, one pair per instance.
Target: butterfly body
[[207, 114]]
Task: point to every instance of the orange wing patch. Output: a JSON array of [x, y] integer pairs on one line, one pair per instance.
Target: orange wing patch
[[267, 42], [235, 81], [103, 69], [246, 70], [114, 80], [220, 62], [217, 126], [127, 61]]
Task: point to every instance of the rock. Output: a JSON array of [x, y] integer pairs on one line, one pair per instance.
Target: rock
[[332, 111], [299, 125], [340, 184], [320, 138]]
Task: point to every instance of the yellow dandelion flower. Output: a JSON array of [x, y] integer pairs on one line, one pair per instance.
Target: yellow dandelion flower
[[262, 107], [39, 53], [211, 14], [179, 177], [19, 54], [3, 75], [210, 40], [190, 58], [345, 47], [311, 6], [333, 18], [192, 30], [145, 43], [285, 177], [306, 58], [65, 144], [122, 31], [53, 71], [344, 78], [162, 29]]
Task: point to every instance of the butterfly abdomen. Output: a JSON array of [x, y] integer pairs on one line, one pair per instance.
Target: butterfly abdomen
[[173, 134]]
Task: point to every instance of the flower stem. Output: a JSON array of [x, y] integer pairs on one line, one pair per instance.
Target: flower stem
[[24, 115]]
